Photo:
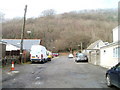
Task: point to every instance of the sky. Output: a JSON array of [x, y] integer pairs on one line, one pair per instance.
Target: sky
[[15, 8]]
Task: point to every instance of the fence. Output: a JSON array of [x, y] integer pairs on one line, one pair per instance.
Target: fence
[[8, 61]]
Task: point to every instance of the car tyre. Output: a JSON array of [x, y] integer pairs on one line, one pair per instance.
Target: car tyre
[[76, 61], [43, 61], [108, 81], [32, 62]]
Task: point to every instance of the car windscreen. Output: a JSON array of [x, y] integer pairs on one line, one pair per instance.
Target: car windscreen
[[80, 55]]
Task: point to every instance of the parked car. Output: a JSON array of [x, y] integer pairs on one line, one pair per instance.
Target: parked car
[[38, 53], [81, 57], [55, 54], [49, 55], [113, 76], [70, 56]]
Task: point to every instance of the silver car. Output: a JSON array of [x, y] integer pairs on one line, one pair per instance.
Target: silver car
[[80, 57]]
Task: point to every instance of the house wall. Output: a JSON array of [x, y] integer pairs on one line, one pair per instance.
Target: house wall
[[106, 57], [94, 57], [115, 35], [99, 44]]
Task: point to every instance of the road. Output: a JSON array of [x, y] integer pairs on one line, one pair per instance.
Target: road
[[61, 72]]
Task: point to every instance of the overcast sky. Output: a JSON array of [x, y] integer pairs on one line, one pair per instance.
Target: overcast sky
[[15, 8]]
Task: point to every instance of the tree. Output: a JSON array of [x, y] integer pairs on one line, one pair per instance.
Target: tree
[[49, 12], [1, 17], [65, 31]]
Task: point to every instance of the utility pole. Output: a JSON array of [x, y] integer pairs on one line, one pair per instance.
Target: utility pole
[[81, 46], [22, 34]]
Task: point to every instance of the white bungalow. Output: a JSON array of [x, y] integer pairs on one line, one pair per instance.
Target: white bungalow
[[110, 54]]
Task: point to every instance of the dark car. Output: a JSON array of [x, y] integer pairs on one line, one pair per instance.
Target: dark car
[[81, 57], [113, 76]]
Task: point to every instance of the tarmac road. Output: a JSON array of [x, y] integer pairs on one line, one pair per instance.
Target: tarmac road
[[61, 72]]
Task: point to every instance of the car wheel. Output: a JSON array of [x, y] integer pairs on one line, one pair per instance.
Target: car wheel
[[46, 60], [76, 61], [108, 81], [32, 62], [49, 59], [43, 61]]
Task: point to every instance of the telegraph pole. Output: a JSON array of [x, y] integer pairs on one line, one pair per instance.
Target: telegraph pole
[[22, 34], [81, 46]]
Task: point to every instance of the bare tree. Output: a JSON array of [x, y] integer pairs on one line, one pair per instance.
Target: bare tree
[[49, 12], [68, 31]]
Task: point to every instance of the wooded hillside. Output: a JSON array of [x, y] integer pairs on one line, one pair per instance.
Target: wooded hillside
[[66, 30]]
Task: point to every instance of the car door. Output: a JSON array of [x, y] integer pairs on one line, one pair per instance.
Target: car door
[[115, 75], [118, 75]]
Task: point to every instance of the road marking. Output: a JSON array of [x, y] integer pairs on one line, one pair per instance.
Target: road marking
[[37, 78], [80, 63], [9, 73], [12, 72], [38, 83], [33, 72]]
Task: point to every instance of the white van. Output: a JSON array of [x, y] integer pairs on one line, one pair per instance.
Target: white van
[[38, 53]]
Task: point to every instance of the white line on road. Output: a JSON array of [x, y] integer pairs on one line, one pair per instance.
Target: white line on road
[[38, 83], [37, 78], [12, 72]]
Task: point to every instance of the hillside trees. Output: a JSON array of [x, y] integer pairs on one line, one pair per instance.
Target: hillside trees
[[64, 31]]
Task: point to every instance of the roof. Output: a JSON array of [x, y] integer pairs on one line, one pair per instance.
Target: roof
[[92, 46], [111, 44], [10, 47], [2, 42], [27, 43]]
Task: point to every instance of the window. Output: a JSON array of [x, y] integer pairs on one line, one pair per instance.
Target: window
[[118, 67], [119, 52], [116, 52], [97, 44]]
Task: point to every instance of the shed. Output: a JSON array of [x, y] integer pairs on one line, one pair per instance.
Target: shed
[[27, 43]]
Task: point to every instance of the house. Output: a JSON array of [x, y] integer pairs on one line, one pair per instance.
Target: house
[[12, 50], [96, 45], [2, 49], [10, 47], [93, 52], [110, 54]]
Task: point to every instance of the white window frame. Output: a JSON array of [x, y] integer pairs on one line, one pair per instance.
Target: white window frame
[[116, 52]]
